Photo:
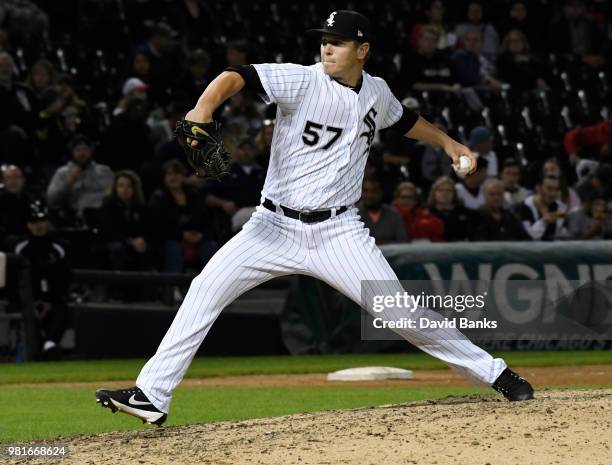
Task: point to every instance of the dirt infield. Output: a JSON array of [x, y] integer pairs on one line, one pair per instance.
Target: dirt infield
[[585, 375], [559, 427]]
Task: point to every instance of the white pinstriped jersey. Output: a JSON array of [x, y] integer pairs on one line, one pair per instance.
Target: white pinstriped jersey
[[322, 135], [321, 141]]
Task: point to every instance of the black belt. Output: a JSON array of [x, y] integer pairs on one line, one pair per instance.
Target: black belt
[[304, 216]]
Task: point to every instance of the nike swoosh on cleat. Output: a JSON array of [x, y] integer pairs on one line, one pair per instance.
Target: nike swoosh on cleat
[[133, 401]]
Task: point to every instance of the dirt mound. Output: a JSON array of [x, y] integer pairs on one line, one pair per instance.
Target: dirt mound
[[559, 427]]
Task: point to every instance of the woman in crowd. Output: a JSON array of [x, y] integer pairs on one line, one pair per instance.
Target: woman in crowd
[[523, 20], [41, 77], [182, 230], [517, 66], [444, 204], [490, 37], [123, 224], [419, 223], [593, 221]]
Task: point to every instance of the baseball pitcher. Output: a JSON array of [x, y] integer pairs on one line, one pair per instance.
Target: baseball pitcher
[[327, 116]]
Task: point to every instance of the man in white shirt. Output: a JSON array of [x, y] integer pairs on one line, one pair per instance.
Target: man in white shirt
[[514, 193], [542, 214]]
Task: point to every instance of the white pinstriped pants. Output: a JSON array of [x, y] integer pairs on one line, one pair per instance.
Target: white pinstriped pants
[[338, 251]]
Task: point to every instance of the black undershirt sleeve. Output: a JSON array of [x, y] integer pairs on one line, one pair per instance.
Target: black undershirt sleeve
[[250, 76], [406, 122]]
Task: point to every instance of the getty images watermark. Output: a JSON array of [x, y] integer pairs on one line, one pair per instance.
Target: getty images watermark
[[494, 310], [420, 305]]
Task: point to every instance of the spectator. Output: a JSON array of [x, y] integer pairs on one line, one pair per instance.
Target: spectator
[[514, 193], [165, 148], [418, 222], [590, 142], [27, 24], [133, 89], [495, 223], [598, 184], [51, 277], [481, 142], [435, 21], [575, 33], [161, 50], [384, 222], [41, 77], [126, 143], [489, 36], [593, 221], [471, 192], [17, 100], [141, 67], [61, 95], [239, 193], [183, 236], [124, 224], [542, 214], [14, 205], [568, 196], [428, 68], [444, 203], [517, 66], [196, 77], [520, 20], [79, 184], [472, 69], [62, 115]]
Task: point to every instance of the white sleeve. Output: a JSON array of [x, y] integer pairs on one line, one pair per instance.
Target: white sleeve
[[393, 109], [285, 84]]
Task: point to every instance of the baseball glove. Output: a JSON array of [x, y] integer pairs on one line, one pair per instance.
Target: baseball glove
[[208, 158]]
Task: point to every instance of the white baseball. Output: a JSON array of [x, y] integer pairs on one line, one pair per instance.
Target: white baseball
[[465, 165]]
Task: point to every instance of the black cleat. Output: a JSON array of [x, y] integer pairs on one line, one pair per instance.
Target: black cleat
[[133, 402], [512, 386]]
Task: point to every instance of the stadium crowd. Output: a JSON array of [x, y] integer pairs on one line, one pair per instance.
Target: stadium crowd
[[90, 92]]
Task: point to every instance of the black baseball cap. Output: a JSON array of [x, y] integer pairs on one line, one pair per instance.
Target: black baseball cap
[[348, 24]]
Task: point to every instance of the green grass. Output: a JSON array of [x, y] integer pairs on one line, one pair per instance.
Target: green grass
[[26, 413], [109, 370], [44, 412]]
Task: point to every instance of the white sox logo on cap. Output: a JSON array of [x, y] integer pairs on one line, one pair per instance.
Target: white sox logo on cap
[[330, 20], [348, 24]]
